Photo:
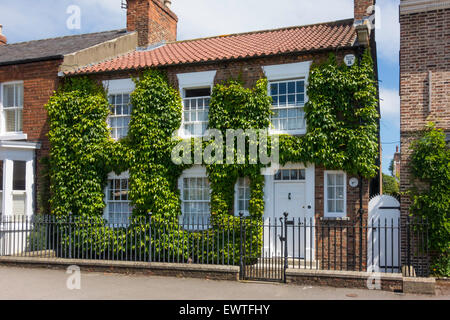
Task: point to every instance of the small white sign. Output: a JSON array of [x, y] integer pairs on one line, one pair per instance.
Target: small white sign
[[353, 182], [349, 60]]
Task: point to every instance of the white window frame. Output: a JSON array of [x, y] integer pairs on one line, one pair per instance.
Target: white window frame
[[196, 171], [112, 175], [286, 72], [236, 197], [193, 80], [116, 87], [12, 135], [288, 107], [328, 214]]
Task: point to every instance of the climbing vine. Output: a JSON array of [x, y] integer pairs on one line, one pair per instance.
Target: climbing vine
[[341, 114], [342, 119], [430, 194], [79, 138]]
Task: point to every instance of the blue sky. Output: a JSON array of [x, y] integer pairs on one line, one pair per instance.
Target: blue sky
[[25, 20]]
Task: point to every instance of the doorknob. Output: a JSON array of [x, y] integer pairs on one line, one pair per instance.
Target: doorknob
[[309, 206]]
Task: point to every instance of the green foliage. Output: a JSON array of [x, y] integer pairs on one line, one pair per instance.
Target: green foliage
[[342, 124], [155, 117], [43, 196], [236, 107], [79, 138], [390, 185], [342, 119], [430, 194]]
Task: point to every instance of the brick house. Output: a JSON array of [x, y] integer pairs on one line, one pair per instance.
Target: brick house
[[28, 77], [283, 55], [424, 76]]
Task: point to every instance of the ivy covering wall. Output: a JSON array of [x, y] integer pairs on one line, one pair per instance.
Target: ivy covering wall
[[342, 134], [430, 194]]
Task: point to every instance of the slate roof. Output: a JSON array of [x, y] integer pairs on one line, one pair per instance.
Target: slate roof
[[331, 35], [54, 48]]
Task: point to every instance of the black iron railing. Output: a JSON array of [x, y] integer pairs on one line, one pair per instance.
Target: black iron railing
[[263, 249]]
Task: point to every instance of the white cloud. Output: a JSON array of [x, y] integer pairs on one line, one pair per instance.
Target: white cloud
[[388, 34], [390, 102], [202, 18]]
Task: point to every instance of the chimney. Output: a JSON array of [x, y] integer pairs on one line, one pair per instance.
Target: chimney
[[153, 20], [2, 37], [363, 8]]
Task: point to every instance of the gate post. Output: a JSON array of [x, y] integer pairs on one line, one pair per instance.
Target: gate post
[[241, 258], [285, 246]]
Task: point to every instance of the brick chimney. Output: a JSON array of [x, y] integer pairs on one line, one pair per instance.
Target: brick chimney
[[2, 37], [362, 8], [153, 20]]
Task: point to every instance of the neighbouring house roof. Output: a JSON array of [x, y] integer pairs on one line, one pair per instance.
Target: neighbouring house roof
[[331, 35], [55, 48]]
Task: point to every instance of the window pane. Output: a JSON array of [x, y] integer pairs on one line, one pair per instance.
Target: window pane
[[10, 120], [19, 173], [8, 96], [331, 206], [340, 206], [282, 88]]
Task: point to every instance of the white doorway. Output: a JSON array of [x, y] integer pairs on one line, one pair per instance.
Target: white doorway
[[290, 190]]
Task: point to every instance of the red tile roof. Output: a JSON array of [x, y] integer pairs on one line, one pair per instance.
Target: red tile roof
[[330, 35]]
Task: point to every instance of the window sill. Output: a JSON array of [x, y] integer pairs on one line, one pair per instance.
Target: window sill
[[344, 218], [13, 136], [288, 132]]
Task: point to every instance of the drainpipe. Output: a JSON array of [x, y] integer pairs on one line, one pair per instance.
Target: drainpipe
[[361, 215], [359, 53]]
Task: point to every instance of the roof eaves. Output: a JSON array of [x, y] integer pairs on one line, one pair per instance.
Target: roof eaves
[[24, 61], [211, 61]]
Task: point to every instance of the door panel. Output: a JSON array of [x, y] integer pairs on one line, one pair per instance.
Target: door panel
[[291, 198]]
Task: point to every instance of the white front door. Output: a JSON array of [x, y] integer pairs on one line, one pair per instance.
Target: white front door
[[292, 189]]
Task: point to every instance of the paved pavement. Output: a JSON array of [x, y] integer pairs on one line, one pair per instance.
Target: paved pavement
[[27, 283]]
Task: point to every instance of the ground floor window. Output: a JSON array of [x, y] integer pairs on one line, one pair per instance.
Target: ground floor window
[[118, 205], [335, 194], [195, 197], [242, 196]]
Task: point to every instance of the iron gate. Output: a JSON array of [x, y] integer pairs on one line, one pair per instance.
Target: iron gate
[[264, 257]]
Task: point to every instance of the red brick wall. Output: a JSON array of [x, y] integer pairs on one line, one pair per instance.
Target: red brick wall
[[332, 235], [361, 7], [39, 81], [153, 21], [424, 47]]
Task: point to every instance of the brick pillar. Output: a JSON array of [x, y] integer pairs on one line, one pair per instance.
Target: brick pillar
[[362, 8], [153, 20]]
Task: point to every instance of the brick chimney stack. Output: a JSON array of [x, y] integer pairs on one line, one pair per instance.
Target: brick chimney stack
[[153, 20], [3, 40], [362, 8]]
